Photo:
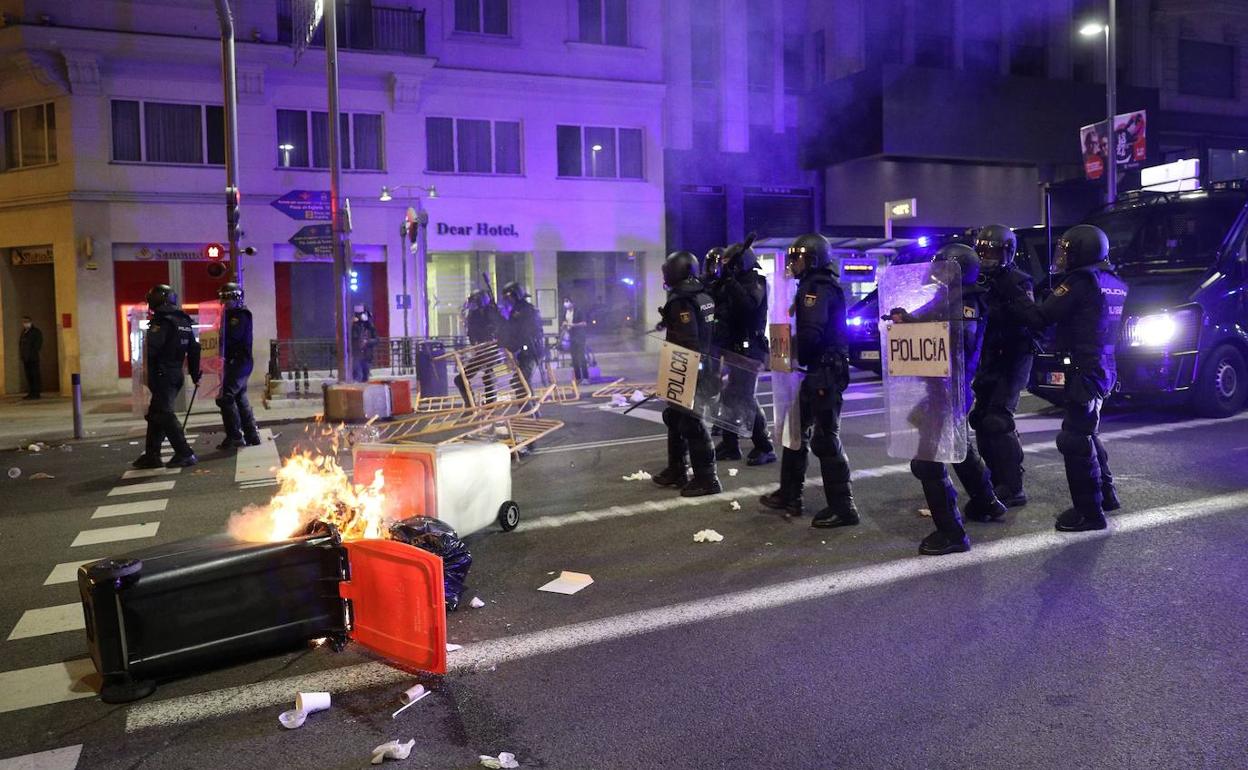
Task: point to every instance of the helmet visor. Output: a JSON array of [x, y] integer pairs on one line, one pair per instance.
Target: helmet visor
[[991, 253], [1061, 256]]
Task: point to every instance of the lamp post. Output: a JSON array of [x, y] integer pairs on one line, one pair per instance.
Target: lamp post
[[1092, 29], [286, 148], [418, 216]]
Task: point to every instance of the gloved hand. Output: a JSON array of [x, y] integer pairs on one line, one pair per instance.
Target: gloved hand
[[196, 376], [899, 315]]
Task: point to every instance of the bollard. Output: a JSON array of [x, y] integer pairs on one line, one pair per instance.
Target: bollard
[[76, 379]]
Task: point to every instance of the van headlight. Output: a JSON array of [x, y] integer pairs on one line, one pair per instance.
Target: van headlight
[[1163, 330]]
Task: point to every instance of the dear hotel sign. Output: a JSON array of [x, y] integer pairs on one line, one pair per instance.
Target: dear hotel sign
[[480, 229]]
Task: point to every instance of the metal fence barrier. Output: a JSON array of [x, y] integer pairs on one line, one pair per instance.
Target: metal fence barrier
[[299, 360]]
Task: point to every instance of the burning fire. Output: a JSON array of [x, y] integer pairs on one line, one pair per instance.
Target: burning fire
[[314, 488]]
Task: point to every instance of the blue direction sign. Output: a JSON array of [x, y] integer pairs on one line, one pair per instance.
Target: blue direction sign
[[306, 205], [314, 240]]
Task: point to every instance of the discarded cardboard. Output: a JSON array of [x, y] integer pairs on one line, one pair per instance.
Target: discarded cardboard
[[567, 583]]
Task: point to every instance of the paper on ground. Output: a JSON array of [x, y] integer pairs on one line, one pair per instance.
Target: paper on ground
[[453, 647], [392, 750], [734, 505], [638, 476], [707, 536], [476, 603], [567, 583], [733, 471], [637, 397], [505, 760]]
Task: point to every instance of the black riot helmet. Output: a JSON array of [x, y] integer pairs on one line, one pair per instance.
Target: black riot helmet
[[230, 294], [1080, 246], [514, 291], [996, 246], [968, 261], [679, 267], [809, 252], [713, 263], [160, 295], [740, 257]]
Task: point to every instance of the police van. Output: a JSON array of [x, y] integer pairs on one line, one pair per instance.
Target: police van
[[1184, 335]]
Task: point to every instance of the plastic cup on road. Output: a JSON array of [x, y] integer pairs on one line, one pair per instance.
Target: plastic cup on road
[[310, 702], [413, 694]]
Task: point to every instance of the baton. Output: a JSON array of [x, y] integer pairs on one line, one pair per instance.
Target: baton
[[190, 406], [639, 403]]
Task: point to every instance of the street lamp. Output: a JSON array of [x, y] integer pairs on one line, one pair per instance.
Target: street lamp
[[1092, 29], [414, 215], [286, 148]]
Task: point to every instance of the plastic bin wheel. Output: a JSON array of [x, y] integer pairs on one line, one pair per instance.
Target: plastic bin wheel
[[509, 515], [122, 688], [112, 570]]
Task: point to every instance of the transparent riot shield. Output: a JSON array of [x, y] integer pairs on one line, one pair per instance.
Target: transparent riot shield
[[786, 381], [207, 317], [136, 327], [921, 352], [711, 386]]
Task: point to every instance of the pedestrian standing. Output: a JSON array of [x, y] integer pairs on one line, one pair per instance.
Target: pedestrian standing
[[236, 365], [575, 327], [168, 344], [1086, 307], [363, 341], [29, 344], [822, 351]]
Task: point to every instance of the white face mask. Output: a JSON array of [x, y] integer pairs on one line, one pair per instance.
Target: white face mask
[[567, 306], [27, 324]]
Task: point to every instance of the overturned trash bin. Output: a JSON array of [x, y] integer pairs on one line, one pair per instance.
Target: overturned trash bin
[[200, 604], [438, 538]]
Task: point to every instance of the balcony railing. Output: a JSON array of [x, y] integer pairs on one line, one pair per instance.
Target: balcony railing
[[365, 27]]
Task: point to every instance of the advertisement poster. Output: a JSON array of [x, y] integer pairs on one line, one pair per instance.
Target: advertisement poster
[[1130, 143]]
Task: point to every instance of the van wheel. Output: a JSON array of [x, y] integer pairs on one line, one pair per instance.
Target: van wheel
[[1223, 384]]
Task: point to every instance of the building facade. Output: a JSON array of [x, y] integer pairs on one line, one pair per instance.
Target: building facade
[[538, 124]]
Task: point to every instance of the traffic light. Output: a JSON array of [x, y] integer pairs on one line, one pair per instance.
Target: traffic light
[[214, 252], [233, 213], [354, 278]]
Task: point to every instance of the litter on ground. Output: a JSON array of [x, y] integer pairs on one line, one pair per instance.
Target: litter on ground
[[733, 471], [638, 476], [305, 703], [450, 647], [567, 583], [734, 505], [707, 536], [637, 397], [925, 512], [41, 476], [476, 603], [15, 472], [392, 750], [505, 760], [409, 697]]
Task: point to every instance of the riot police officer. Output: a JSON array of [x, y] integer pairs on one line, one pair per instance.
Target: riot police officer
[[1005, 367], [167, 344], [688, 318], [1086, 308], [482, 322], [236, 414], [821, 349], [740, 295], [521, 331], [938, 490]]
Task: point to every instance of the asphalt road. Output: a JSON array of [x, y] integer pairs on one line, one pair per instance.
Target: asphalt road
[[781, 646]]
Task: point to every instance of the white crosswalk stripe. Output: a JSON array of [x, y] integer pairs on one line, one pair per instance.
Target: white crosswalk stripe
[[48, 620], [125, 509], [57, 759], [144, 473], [43, 685], [67, 571], [256, 463], [115, 534], [142, 489]]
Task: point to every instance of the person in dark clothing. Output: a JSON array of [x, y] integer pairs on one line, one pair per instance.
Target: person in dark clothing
[[482, 322], [168, 344], [576, 327], [938, 490], [1005, 367], [363, 341], [822, 351], [28, 347], [522, 332], [740, 295], [236, 365], [1086, 308], [688, 318]]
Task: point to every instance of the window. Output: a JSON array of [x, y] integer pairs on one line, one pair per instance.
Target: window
[[704, 42], [487, 17], [1029, 56], [359, 140], [933, 38], [883, 29], [462, 146], [600, 152], [603, 21], [981, 43], [1206, 69], [162, 132], [30, 136], [760, 27], [794, 64], [821, 55]]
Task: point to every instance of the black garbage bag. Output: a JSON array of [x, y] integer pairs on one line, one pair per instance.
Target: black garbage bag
[[436, 537]]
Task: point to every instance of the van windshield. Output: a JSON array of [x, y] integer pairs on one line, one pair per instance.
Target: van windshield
[[1179, 236]]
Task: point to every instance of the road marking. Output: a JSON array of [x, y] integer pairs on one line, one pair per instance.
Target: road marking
[[124, 509], [49, 620], [265, 483], [855, 395], [600, 444], [115, 534], [57, 759], [143, 473], [253, 463], [645, 414], [43, 685], [1023, 425], [142, 489], [67, 571], [484, 655]]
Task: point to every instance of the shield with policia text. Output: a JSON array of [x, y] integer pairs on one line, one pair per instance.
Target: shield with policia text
[[921, 352], [698, 383], [786, 377]]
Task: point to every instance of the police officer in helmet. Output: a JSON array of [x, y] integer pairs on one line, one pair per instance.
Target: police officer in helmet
[[938, 489], [236, 414], [821, 350], [482, 322], [168, 343], [522, 331], [1086, 307], [1005, 366], [740, 295], [688, 318]]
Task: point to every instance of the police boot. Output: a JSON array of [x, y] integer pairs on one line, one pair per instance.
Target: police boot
[[147, 461], [1086, 514], [676, 474], [941, 543], [841, 511], [230, 443], [151, 447], [1109, 498], [764, 452], [729, 447], [1004, 454], [982, 503], [985, 509], [182, 461], [1011, 497], [702, 484], [788, 497]]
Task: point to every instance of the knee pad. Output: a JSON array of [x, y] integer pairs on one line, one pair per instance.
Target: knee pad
[[1072, 444], [671, 417], [926, 470], [223, 401], [825, 445], [996, 421], [692, 429]]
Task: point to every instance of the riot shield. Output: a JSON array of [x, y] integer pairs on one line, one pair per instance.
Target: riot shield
[[136, 328], [710, 386], [925, 399], [786, 381], [207, 318]]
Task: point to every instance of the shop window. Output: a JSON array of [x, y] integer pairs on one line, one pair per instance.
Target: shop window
[[600, 152], [30, 136], [1206, 69], [794, 64], [487, 17], [303, 140], [704, 42], [162, 132], [464, 146], [760, 31], [603, 21]]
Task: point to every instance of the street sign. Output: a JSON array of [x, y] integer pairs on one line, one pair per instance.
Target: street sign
[[304, 205], [314, 240], [403, 302], [904, 209]]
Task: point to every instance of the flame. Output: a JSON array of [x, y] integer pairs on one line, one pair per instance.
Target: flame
[[314, 488]]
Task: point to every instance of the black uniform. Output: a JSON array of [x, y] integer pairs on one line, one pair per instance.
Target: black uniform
[[1087, 310], [523, 335], [741, 328], [363, 340], [29, 344], [481, 323], [821, 349], [236, 414], [689, 319], [169, 342], [998, 384]]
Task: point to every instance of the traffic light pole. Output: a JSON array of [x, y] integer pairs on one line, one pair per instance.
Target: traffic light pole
[[229, 80], [1111, 101], [342, 255]]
